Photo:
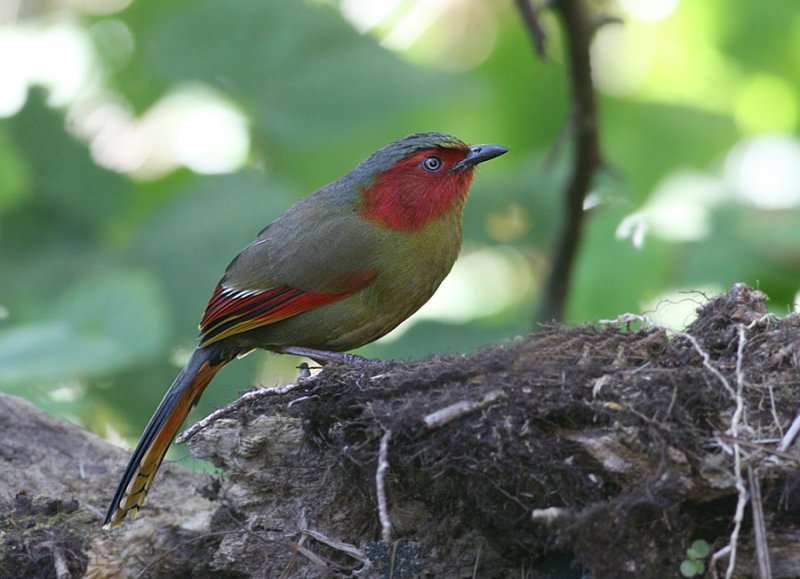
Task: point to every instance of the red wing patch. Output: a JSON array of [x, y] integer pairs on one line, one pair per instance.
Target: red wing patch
[[232, 311]]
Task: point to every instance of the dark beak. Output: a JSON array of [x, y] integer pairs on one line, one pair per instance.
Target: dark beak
[[479, 154]]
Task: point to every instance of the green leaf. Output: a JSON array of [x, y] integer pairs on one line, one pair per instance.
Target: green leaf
[[65, 179], [688, 568], [125, 307], [699, 549], [104, 324], [51, 351], [299, 68], [14, 173], [683, 136], [700, 566]]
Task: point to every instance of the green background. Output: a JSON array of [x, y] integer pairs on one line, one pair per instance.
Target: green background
[[103, 274]]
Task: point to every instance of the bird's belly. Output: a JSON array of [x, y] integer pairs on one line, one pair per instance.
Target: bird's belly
[[351, 322]]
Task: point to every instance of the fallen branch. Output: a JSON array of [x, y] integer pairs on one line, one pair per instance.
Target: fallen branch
[[791, 434], [460, 409], [244, 399]]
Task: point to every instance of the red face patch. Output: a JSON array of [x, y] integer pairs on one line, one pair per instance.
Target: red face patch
[[417, 190]]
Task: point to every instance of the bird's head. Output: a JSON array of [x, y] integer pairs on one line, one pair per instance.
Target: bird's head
[[418, 179]]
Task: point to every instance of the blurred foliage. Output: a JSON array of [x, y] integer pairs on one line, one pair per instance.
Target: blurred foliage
[[104, 274]]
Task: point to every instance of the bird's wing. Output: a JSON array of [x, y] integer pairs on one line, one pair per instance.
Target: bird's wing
[[314, 254], [231, 311]]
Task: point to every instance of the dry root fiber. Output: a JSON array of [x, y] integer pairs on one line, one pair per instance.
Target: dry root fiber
[[603, 450]]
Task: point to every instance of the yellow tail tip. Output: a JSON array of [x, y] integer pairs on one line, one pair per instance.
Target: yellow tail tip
[[127, 509]]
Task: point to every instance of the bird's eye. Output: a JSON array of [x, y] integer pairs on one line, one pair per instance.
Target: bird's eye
[[432, 163]]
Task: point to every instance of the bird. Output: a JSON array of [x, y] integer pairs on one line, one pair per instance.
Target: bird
[[339, 269]]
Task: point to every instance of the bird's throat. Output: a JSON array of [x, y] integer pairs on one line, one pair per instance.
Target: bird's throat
[[405, 203]]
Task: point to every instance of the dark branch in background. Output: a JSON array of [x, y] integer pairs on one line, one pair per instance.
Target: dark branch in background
[[531, 17], [578, 31]]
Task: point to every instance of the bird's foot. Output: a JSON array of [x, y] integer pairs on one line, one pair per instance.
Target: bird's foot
[[304, 371], [323, 357]]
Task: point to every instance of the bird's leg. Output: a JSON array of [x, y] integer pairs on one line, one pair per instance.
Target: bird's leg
[[323, 357], [305, 371]]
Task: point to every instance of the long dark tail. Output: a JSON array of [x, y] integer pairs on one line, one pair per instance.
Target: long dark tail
[[161, 430]]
